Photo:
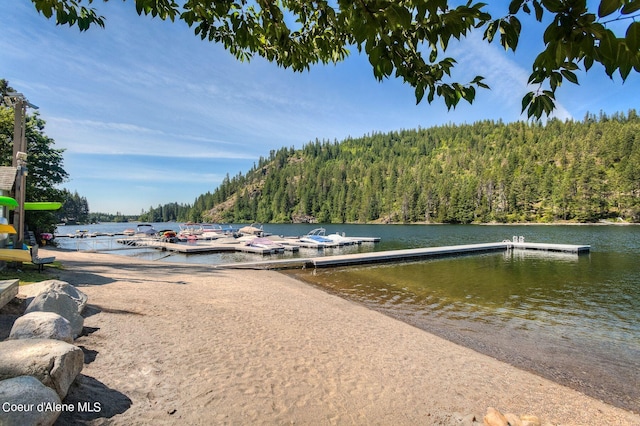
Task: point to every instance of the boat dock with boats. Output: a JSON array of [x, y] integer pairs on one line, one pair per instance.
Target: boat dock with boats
[[256, 241], [253, 241]]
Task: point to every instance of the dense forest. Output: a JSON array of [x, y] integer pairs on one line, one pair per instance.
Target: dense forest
[[488, 171]]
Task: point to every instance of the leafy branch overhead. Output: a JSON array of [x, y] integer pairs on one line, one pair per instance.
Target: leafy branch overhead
[[407, 39]]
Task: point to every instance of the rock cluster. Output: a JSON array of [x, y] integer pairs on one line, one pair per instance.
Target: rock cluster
[[38, 362], [494, 417]]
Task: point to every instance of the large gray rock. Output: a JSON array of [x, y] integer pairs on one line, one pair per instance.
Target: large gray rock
[[26, 401], [61, 304], [42, 325], [55, 363], [33, 290]]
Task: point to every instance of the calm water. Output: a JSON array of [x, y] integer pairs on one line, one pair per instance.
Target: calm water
[[573, 319]]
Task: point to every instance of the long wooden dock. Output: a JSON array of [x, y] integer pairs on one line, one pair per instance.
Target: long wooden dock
[[405, 255]]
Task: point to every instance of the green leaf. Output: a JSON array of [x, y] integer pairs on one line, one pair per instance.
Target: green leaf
[[588, 62], [514, 6], [548, 103], [608, 48], [632, 38], [624, 61], [607, 7], [624, 71], [399, 16], [469, 94], [431, 94], [419, 93], [526, 100], [490, 32], [539, 10], [570, 76], [632, 6], [554, 6]]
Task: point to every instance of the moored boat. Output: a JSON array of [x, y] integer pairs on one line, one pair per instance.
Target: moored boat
[[211, 232], [263, 242], [253, 229], [317, 237], [168, 236], [343, 240], [145, 230]]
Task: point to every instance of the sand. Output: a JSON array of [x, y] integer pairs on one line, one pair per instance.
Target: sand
[[189, 344]]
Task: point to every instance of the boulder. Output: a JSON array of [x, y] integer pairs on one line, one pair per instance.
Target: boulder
[[42, 325], [495, 418], [26, 401], [61, 304], [530, 420], [76, 295], [513, 419], [55, 363]]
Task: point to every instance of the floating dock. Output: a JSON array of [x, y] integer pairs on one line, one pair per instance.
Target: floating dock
[[405, 255], [204, 247]]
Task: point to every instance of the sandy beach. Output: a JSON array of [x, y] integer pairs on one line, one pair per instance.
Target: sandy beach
[[189, 344]]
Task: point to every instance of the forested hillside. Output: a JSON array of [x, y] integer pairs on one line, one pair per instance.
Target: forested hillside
[[484, 172]]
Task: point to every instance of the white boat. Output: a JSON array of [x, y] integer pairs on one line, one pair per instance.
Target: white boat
[[211, 232], [145, 230], [253, 229], [342, 239], [317, 237], [189, 231], [266, 243]]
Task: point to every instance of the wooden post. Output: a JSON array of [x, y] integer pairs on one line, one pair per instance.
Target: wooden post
[[19, 145]]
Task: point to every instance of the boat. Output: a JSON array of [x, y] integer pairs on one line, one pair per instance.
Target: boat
[[42, 205], [13, 255], [253, 229], [168, 236], [6, 228], [145, 230], [343, 240], [8, 202], [189, 231], [211, 232], [11, 204], [317, 237], [129, 232], [263, 242]]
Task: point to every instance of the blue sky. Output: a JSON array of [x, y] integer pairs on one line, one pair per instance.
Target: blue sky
[[149, 114]]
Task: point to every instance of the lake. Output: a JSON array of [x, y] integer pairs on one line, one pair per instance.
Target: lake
[[572, 319]]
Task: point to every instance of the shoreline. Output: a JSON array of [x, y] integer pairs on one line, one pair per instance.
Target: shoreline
[[607, 376], [180, 343], [600, 223]]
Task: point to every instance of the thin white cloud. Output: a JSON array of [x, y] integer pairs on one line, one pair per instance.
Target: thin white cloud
[[146, 174], [109, 138], [507, 79]]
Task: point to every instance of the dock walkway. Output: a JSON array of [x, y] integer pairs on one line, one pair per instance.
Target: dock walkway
[[213, 246], [403, 255]]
